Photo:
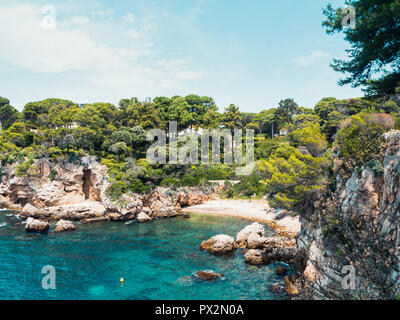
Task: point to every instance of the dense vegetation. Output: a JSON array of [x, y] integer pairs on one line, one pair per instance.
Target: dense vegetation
[[290, 163]]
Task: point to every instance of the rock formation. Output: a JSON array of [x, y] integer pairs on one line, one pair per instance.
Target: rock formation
[[219, 245], [79, 192], [34, 225], [208, 275], [351, 235], [143, 217], [255, 228], [255, 257], [64, 225]]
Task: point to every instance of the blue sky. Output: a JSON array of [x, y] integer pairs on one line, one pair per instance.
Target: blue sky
[[250, 53]]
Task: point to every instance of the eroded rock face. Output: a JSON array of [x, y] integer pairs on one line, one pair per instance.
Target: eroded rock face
[[219, 245], [281, 249], [368, 200], [64, 225], [55, 184], [78, 192], [208, 275], [34, 225]]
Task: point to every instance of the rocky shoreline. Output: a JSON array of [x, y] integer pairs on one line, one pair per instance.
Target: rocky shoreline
[[261, 250], [79, 193]]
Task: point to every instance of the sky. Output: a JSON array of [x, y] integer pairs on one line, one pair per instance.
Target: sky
[[251, 53]]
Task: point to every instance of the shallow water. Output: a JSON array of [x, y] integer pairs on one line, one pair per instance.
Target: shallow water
[[157, 261]]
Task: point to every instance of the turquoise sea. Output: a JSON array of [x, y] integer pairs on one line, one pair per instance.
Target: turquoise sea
[[157, 261]]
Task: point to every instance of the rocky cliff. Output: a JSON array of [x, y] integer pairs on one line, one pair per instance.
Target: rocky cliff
[[350, 234], [56, 191]]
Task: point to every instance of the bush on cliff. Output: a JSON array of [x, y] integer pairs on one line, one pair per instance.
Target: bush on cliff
[[289, 176], [360, 137]]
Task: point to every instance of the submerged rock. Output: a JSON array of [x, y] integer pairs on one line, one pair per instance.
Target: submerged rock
[[277, 288], [280, 270], [64, 225], [208, 275], [34, 225], [219, 245]]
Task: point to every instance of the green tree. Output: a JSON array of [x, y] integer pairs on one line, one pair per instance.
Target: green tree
[[8, 114], [374, 44], [287, 109], [231, 120]]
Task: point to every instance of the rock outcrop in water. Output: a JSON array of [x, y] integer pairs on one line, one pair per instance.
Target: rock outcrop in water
[[258, 248], [64, 225], [78, 192], [208, 275], [219, 245], [34, 225], [351, 236]]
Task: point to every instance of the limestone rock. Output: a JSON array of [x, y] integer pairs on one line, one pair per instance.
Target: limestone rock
[[255, 257], [143, 217], [64, 225], [241, 237], [219, 245], [30, 211], [281, 249], [255, 241], [34, 225], [290, 288], [4, 203]]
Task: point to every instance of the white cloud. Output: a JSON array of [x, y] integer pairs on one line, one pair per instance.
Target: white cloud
[[106, 12], [80, 20], [71, 48], [312, 58], [133, 34], [129, 17]]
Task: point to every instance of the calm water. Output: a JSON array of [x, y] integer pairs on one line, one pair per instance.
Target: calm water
[[157, 261]]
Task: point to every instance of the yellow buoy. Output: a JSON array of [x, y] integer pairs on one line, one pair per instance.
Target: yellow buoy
[[121, 280]]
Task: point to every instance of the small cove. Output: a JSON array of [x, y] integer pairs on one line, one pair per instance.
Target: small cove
[[157, 261]]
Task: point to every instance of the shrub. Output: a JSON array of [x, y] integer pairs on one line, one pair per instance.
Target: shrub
[[53, 175], [289, 176], [310, 136], [360, 137], [116, 189], [137, 186]]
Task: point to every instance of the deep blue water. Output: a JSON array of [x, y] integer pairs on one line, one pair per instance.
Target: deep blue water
[[157, 261]]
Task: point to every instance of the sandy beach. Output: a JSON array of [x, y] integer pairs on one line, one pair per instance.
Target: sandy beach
[[255, 210]]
